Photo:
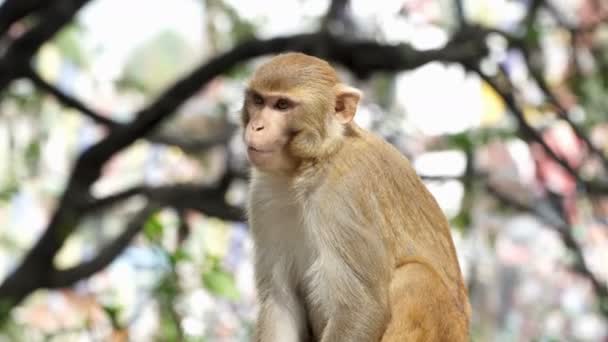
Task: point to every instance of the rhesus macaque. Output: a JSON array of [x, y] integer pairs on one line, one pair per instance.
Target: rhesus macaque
[[349, 244]]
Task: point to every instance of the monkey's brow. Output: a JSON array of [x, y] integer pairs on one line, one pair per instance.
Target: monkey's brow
[[250, 91]]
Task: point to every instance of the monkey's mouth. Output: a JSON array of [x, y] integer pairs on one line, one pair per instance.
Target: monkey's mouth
[[252, 149]]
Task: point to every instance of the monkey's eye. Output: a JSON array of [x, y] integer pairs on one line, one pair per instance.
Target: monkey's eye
[[282, 104], [257, 99]]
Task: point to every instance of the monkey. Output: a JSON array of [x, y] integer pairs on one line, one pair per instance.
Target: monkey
[[349, 245]]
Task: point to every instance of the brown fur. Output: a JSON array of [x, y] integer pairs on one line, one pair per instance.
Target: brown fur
[[350, 245]]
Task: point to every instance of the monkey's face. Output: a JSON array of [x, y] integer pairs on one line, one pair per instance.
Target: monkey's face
[[267, 131], [295, 109]]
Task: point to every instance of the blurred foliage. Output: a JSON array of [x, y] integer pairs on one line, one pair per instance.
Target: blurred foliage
[[69, 42], [239, 29], [153, 229], [8, 191], [167, 54], [218, 281], [166, 293], [32, 155]]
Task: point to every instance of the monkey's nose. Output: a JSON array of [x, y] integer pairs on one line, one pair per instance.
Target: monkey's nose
[[258, 127]]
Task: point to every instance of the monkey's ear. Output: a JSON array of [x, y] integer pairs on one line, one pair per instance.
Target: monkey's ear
[[347, 99]]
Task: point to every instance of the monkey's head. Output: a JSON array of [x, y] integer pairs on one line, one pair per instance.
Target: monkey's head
[[295, 109]]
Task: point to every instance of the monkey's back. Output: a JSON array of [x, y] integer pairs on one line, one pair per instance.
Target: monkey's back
[[367, 162], [413, 226]]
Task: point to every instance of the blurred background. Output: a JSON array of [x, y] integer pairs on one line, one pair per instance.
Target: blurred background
[[122, 173]]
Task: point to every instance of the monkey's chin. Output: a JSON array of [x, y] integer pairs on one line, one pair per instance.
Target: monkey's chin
[[260, 159]]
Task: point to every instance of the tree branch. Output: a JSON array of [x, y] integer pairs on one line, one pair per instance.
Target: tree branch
[[460, 13], [563, 21], [68, 100], [67, 277], [520, 45], [530, 18], [186, 144], [561, 111], [336, 13], [16, 59], [113, 199], [209, 200], [529, 132], [183, 229], [555, 222], [194, 144], [12, 11], [565, 233]]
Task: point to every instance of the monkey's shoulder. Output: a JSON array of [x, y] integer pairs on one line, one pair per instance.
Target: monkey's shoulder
[[367, 157]]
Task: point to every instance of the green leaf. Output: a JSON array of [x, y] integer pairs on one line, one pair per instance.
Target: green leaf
[[533, 36], [239, 71], [167, 53], [153, 229], [603, 302], [179, 255], [220, 283], [9, 191], [32, 154], [462, 220], [113, 312], [69, 43], [169, 330], [461, 141]]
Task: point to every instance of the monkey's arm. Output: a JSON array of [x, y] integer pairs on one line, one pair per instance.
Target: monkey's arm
[[360, 311], [352, 274], [350, 327], [282, 317]]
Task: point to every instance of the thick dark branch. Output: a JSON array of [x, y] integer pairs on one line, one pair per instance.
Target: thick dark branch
[[365, 57], [12, 11], [209, 200], [35, 270], [67, 277], [15, 61], [190, 144], [113, 199]]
